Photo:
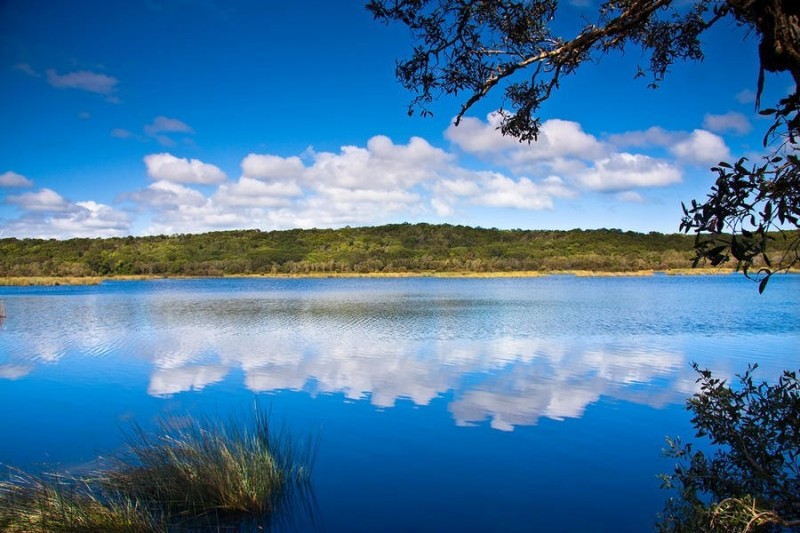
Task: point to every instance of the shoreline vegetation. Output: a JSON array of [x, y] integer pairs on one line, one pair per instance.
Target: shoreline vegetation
[[204, 475], [396, 250], [55, 281]]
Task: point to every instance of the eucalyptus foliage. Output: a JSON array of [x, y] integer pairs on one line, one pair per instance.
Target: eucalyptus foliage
[[750, 202], [749, 480], [393, 248]]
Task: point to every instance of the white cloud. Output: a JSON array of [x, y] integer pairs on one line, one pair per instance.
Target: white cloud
[[349, 197], [493, 189], [701, 147], [558, 139], [475, 136], [332, 206], [728, 122], [48, 215], [167, 167], [204, 218], [442, 208], [655, 136], [272, 167], [43, 200], [384, 181], [166, 194], [501, 191], [575, 160], [248, 192], [92, 219], [83, 80], [459, 187], [12, 179], [380, 165], [624, 171]]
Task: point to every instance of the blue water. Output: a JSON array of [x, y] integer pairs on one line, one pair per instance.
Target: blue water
[[443, 404]]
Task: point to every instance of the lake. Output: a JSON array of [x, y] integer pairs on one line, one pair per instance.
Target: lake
[[531, 404]]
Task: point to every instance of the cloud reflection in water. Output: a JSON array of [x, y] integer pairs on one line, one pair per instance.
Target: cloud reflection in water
[[506, 361], [508, 381]]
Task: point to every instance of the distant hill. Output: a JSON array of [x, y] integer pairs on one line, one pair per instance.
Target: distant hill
[[392, 248]]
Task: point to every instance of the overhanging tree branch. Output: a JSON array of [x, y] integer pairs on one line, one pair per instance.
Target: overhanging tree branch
[[479, 47]]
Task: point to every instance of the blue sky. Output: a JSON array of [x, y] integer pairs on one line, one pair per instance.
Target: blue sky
[[177, 116]]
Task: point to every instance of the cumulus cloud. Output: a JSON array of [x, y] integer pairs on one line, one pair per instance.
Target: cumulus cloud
[[655, 136], [558, 139], [356, 185], [43, 200], [48, 215], [380, 165], [249, 192], [12, 179], [701, 147], [494, 189], [624, 171], [166, 194], [728, 122], [204, 218], [272, 167], [575, 160], [167, 167], [83, 80], [385, 181], [92, 219], [501, 191]]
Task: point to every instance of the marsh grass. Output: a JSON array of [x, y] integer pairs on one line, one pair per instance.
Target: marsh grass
[[56, 503], [208, 467], [200, 476]]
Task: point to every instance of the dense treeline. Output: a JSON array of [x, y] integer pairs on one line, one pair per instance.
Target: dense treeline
[[391, 248]]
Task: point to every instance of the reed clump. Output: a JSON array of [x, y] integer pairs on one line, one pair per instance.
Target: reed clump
[[210, 467], [57, 503], [203, 473]]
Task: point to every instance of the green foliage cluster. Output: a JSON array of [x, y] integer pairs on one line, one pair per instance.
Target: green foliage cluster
[[750, 482], [388, 249]]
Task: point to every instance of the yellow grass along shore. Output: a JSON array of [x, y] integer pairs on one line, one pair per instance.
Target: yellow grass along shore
[[54, 281]]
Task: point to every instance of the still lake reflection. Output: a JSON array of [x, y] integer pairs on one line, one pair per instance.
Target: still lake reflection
[[443, 404]]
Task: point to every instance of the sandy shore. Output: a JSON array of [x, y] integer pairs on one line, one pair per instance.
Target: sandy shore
[[96, 280]]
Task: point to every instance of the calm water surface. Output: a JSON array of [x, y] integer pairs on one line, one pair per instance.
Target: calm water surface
[[443, 404]]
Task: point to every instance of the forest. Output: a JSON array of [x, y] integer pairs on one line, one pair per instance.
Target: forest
[[396, 248]]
